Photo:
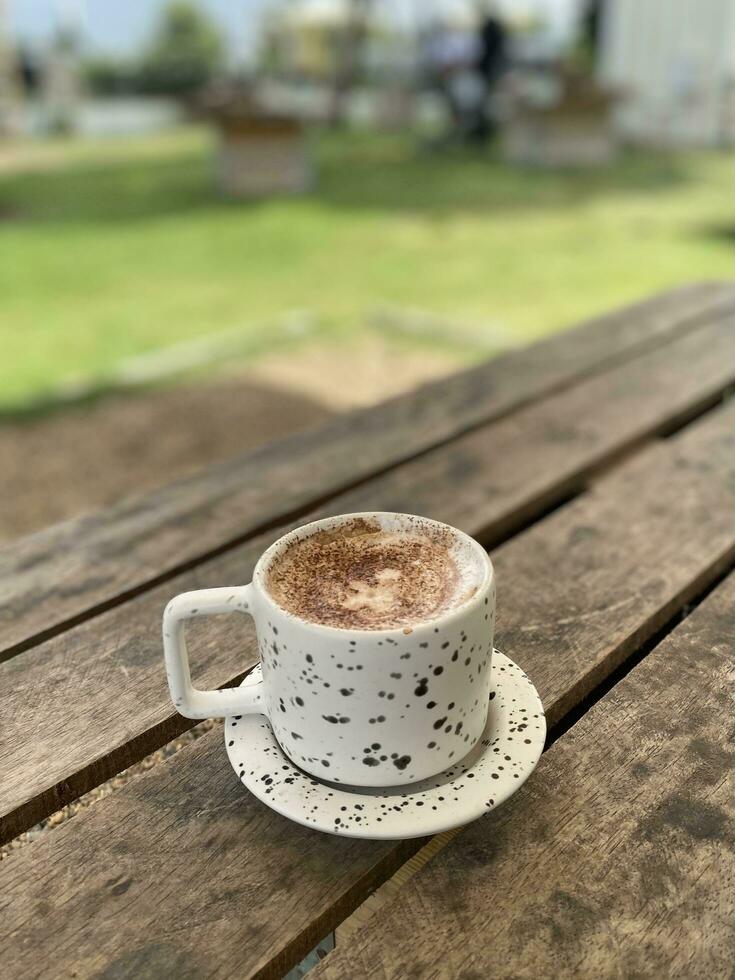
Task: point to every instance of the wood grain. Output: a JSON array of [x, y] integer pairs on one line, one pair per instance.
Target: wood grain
[[183, 870], [92, 701], [615, 860], [78, 568], [497, 479]]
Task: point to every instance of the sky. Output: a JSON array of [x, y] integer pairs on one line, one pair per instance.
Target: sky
[[122, 28]]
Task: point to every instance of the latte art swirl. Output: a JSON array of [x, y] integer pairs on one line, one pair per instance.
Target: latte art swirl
[[360, 576]]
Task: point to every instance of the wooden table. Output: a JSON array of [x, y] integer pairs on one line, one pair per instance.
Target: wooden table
[[599, 466]]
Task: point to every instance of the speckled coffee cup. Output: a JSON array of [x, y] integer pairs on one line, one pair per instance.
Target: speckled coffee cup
[[363, 707]]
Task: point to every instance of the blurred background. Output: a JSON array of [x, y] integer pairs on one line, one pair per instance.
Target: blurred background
[[222, 221]]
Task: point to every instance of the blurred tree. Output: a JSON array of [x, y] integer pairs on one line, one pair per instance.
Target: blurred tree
[[185, 53], [106, 76]]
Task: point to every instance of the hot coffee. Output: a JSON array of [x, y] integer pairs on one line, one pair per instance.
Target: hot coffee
[[360, 575], [375, 633]]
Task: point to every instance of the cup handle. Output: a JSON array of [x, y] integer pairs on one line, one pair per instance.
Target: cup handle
[[191, 702]]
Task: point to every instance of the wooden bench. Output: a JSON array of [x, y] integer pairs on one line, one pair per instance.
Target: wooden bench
[[599, 467]]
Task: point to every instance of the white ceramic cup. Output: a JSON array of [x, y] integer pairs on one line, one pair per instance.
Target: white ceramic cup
[[363, 707]]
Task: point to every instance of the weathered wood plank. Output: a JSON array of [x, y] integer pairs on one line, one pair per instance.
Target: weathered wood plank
[[94, 698], [68, 572], [497, 479], [616, 860], [182, 867]]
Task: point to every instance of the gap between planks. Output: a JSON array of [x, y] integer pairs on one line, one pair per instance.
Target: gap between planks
[[690, 824], [711, 309], [653, 613], [389, 889], [495, 532], [386, 892], [690, 414]]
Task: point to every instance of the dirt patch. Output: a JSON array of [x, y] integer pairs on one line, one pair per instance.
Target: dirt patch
[[351, 376], [89, 456], [81, 458]]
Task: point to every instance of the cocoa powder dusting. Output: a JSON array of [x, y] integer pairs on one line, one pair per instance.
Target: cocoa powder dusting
[[359, 576]]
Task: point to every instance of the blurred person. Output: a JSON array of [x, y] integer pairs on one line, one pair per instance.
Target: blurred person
[[29, 71], [451, 57], [592, 19], [492, 64]]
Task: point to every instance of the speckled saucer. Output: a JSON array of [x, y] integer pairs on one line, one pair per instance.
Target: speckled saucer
[[503, 759]]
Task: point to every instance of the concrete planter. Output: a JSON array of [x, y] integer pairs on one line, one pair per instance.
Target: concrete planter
[[262, 155], [575, 131]]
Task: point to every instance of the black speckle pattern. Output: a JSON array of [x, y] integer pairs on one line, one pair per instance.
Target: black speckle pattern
[[479, 781], [322, 690]]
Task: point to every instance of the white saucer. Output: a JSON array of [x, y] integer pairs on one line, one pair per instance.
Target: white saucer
[[501, 762]]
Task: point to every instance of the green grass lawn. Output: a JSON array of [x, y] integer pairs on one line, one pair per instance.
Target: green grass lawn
[[113, 248]]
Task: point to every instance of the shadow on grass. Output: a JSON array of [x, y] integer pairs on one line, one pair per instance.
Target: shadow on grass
[[355, 172], [391, 174], [723, 233], [125, 191]]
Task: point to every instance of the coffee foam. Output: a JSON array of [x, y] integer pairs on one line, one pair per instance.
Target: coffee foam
[[361, 575]]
